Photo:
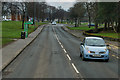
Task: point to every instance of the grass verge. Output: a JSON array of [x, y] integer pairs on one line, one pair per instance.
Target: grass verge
[[85, 28], [12, 30], [108, 34]]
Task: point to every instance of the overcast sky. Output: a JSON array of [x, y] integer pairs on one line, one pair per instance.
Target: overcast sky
[[65, 4]]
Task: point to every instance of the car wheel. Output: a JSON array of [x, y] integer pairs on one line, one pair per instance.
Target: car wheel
[[83, 58], [80, 54], [106, 60]]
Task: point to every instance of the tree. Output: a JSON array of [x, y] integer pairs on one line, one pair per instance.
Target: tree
[[77, 12], [60, 14], [118, 27], [95, 14], [89, 6], [108, 13]]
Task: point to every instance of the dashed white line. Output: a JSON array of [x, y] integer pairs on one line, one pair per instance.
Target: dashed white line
[[62, 46], [57, 38], [60, 43], [75, 68], [65, 51], [68, 57]]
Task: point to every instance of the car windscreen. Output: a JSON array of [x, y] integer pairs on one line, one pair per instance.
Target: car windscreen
[[95, 42]]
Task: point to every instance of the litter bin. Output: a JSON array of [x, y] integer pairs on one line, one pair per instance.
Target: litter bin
[[22, 35]]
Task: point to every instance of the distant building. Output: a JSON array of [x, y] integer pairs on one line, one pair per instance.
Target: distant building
[[17, 17]]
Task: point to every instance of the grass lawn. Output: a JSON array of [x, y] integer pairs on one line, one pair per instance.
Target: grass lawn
[[85, 28], [12, 30], [108, 34]]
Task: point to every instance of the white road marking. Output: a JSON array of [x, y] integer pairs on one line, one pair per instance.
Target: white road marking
[[56, 37], [75, 68], [58, 40], [68, 57], [60, 43], [62, 46], [65, 51]]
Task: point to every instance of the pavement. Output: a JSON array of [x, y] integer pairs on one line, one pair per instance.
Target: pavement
[[55, 54], [114, 45], [11, 51]]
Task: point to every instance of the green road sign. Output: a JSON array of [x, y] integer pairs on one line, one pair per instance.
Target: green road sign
[[26, 27]]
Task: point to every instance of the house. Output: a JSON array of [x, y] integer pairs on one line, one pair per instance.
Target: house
[[16, 17]]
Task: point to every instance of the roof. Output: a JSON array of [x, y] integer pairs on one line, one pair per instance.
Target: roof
[[93, 38]]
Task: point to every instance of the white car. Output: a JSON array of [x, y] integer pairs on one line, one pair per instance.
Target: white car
[[94, 48], [53, 23]]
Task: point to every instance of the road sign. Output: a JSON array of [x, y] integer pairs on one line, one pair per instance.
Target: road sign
[[26, 27]]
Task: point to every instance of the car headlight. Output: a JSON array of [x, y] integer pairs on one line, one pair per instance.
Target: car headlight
[[103, 52], [91, 52], [88, 51]]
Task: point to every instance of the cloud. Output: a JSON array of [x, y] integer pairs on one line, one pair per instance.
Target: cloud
[[60, 0], [64, 5]]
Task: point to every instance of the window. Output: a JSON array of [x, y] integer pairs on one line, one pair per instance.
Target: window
[[95, 42]]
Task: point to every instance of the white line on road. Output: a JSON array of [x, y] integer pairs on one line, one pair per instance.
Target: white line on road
[[62, 46], [65, 51], [56, 37], [75, 68], [68, 57], [60, 43]]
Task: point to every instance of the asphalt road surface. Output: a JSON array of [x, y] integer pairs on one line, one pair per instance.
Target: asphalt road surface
[[55, 54]]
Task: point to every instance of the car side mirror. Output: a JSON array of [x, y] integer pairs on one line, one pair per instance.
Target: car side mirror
[[81, 43]]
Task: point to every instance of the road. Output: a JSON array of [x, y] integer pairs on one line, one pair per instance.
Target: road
[[55, 54]]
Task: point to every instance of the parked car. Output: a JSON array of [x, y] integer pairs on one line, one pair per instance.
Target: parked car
[[53, 23], [94, 48], [92, 24]]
